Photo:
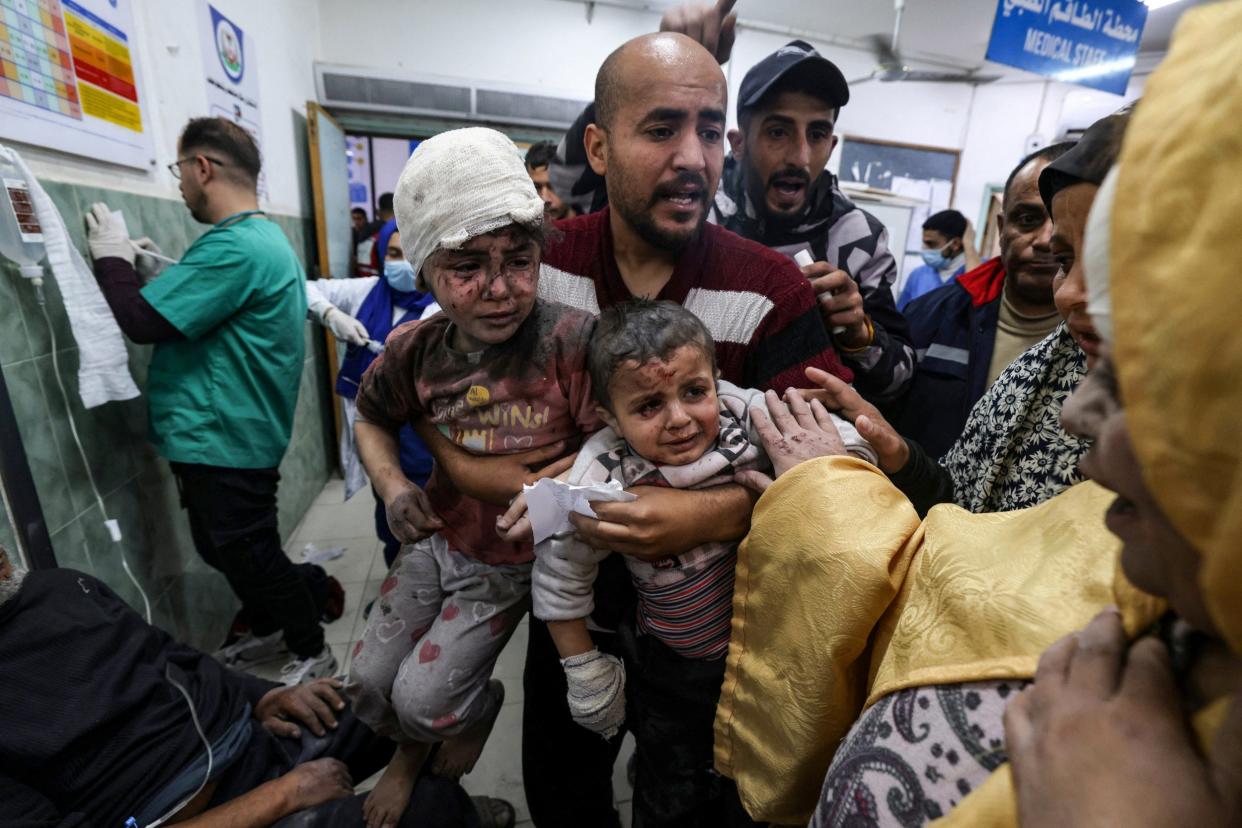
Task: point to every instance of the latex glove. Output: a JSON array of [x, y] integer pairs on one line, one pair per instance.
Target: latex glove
[[596, 691], [344, 327], [104, 234], [148, 267]]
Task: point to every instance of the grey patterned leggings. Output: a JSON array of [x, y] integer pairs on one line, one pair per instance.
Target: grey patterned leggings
[[420, 671]]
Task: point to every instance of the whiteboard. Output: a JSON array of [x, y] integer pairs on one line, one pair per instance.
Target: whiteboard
[[70, 79]]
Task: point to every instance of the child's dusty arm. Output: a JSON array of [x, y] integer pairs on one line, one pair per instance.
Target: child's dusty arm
[[493, 478], [571, 637]]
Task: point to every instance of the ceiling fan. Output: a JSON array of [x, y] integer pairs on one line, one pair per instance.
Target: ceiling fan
[[890, 67]]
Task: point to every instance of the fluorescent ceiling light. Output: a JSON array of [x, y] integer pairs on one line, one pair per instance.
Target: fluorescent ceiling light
[[1108, 67], [1159, 4]]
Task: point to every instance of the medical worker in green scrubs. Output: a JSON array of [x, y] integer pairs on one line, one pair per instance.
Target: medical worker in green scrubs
[[227, 324]]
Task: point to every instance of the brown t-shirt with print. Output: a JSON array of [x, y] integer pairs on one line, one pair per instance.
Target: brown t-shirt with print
[[530, 391]]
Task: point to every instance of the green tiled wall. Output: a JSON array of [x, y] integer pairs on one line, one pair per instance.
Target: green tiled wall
[[188, 598]]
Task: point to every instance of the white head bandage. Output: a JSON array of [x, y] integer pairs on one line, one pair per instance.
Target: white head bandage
[[458, 185], [1096, 265]]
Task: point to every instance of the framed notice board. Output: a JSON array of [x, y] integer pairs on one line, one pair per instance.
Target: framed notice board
[[925, 174]]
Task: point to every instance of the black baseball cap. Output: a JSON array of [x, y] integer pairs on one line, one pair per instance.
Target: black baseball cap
[[797, 54]]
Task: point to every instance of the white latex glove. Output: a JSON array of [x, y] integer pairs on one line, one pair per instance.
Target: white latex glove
[[596, 691], [148, 267], [104, 235], [344, 327]]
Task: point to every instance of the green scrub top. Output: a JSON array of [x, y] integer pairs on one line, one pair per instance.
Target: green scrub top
[[225, 395]]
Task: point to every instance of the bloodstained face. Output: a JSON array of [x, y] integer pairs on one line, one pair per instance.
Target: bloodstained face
[[666, 409], [487, 287]]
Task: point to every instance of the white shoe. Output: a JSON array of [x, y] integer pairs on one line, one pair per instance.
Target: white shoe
[[252, 650], [300, 670]]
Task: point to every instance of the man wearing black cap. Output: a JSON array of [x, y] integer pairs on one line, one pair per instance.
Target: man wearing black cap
[[775, 190]]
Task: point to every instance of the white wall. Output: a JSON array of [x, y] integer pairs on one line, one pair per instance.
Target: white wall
[[550, 46], [167, 35], [539, 44]]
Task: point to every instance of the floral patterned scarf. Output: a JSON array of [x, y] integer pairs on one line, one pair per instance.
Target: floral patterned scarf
[[1013, 452]]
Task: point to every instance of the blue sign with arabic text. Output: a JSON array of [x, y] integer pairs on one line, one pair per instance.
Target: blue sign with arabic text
[[1088, 42]]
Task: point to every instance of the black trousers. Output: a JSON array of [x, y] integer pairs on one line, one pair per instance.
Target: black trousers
[[671, 707], [435, 803], [567, 769], [233, 521]]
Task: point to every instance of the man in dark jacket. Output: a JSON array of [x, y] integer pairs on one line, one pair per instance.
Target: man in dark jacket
[[968, 331], [105, 720], [775, 190]]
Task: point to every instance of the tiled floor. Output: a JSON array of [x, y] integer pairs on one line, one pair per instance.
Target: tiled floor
[[334, 523]]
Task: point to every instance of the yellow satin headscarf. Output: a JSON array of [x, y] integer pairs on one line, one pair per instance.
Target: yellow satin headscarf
[[1177, 296]]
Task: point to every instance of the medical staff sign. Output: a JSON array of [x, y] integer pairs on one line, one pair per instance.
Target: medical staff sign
[[1088, 42]]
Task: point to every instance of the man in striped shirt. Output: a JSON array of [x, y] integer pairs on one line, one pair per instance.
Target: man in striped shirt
[[658, 141]]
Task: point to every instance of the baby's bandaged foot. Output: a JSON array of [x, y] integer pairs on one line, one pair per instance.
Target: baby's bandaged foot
[[596, 691]]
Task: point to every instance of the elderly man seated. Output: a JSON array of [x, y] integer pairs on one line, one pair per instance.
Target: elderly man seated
[[106, 720]]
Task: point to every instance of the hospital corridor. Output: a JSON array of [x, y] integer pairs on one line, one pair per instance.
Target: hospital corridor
[[620, 413]]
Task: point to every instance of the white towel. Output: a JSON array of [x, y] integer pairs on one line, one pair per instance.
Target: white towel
[[103, 362]]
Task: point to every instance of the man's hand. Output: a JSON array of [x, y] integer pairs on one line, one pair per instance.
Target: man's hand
[[410, 516], [664, 522], [840, 303], [1100, 738], [313, 704], [795, 432], [712, 24], [104, 235], [344, 327], [314, 783], [890, 447]]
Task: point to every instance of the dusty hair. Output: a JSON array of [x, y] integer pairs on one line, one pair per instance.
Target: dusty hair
[[639, 331]]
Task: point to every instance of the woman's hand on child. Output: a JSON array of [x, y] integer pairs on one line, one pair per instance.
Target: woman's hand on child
[[794, 433], [410, 516], [514, 525], [839, 396]]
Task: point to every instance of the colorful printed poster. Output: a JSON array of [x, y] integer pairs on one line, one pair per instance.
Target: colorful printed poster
[[231, 70], [68, 79]]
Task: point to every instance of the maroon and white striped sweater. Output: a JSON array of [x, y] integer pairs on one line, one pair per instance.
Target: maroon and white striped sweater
[[756, 303]]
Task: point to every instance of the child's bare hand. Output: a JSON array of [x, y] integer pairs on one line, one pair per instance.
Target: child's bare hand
[[514, 525]]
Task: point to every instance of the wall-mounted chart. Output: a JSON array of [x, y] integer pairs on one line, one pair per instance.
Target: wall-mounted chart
[[69, 80]]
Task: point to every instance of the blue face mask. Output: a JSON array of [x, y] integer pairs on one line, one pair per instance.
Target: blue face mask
[[400, 275], [936, 259]]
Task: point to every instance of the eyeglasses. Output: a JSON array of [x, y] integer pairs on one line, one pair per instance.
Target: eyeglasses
[[175, 167]]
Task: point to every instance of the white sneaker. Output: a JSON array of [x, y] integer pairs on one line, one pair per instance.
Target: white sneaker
[[300, 670], [252, 650]]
